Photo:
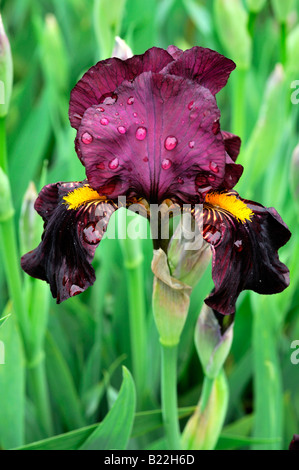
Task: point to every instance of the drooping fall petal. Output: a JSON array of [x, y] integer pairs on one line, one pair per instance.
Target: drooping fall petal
[[72, 231], [245, 252]]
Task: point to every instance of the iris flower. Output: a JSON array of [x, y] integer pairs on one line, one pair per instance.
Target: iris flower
[[148, 128]]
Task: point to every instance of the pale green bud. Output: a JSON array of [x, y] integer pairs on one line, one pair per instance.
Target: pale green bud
[[54, 55], [6, 207], [107, 17], [213, 341], [204, 427], [295, 174], [255, 6], [282, 9], [6, 71], [121, 49], [31, 224], [232, 26], [171, 299], [187, 262], [292, 65]]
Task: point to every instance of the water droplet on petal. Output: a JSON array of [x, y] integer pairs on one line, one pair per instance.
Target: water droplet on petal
[[122, 129], [116, 114], [166, 164], [145, 159], [91, 235], [141, 133], [211, 178], [170, 142], [64, 280], [135, 114], [104, 121], [190, 105], [191, 144], [211, 234], [113, 164], [100, 109], [238, 245], [86, 138], [75, 290], [131, 100], [214, 167], [180, 180]]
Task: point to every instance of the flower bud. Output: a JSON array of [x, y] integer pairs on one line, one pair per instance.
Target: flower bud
[[171, 299], [292, 64], [6, 207], [295, 174], [187, 262], [54, 52], [6, 72], [282, 9], [255, 6], [107, 17], [31, 224], [213, 340], [121, 49], [232, 20], [203, 428]]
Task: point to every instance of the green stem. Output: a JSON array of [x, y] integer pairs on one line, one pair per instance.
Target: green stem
[[40, 394], [133, 260], [283, 43], [169, 397], [251, 23], [206, 392], [11, 263], [3, 157], [239, 102]]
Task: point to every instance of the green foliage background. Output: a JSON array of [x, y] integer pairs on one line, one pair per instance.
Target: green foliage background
[[78, 347]]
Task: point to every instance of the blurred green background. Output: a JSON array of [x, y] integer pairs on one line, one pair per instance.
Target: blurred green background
[[68, 374]]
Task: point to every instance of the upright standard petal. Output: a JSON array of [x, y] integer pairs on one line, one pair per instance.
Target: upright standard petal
[[158, 140], [205, 66], [76, 219], [244, 238], [100, 81]]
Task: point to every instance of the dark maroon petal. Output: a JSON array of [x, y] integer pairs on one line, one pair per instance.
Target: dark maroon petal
[[104, 77], [154, 141], [208, 68], [233, 173], [64, 256], [245, 255], [294, 445], [232, 144]]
